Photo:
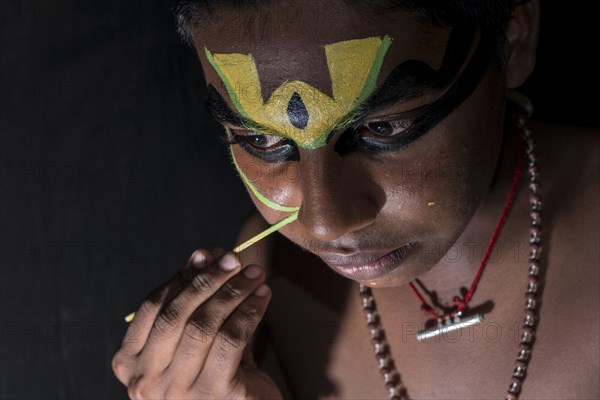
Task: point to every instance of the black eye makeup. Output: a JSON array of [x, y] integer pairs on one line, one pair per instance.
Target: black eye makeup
[[428, 118], [377, 135], [369, 134], [268, 148], [374, 135]]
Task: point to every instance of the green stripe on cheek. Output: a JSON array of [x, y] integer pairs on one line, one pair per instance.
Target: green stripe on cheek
[[262, 198]]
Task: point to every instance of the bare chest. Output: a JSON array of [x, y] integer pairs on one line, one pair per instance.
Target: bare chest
[[326, 353]]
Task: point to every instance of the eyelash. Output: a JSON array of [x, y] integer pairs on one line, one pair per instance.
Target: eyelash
[[351, 140], [286, 151], [376, 143]]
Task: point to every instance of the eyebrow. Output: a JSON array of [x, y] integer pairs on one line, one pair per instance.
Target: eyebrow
[[217, 107], [414, 78], [458, 91], [409, 80]]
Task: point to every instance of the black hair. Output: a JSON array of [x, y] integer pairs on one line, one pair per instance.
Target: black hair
[[488, 16]]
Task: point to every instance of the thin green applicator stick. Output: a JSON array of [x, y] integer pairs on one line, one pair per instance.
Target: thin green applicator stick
[[255, 239], [267, 202], [289, 219]]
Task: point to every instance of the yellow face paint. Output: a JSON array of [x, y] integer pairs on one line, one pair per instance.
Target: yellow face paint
[[297, 110]]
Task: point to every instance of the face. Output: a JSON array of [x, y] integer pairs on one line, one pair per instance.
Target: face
[[383, 133]]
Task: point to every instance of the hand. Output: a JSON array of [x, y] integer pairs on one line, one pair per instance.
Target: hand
[[189, 339]]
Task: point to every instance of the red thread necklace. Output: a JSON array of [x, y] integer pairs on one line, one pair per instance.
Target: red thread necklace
[[452, 321]]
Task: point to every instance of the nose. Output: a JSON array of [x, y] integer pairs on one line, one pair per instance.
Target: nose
[[338, 196]]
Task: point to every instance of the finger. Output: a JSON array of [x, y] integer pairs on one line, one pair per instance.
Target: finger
[[205, 325], [138, 329], [168, 327], [124, 360], [200, 259], [226, 354]]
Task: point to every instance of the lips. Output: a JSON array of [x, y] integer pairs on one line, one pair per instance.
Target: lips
[[365, 266]]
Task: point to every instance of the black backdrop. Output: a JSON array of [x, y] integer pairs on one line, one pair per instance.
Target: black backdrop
[[111, 174]]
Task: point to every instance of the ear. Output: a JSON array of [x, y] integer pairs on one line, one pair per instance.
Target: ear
[[521, 38]]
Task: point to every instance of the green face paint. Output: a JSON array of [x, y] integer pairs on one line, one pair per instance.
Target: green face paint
[[262, 198], [299, 111], [267, 202]]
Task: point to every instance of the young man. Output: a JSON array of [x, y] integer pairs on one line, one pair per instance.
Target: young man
[[382, 128]]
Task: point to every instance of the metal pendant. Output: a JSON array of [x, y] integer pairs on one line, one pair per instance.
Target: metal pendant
[[449, 324]]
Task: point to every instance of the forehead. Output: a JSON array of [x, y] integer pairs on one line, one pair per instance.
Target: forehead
[[287, 40], [288, 71]]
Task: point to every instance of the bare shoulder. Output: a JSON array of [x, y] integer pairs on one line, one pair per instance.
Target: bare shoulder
[[563, 148], [570, 168], [570, 171]]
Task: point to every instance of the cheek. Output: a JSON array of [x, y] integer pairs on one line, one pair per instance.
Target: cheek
[[436, 183], [431, 188], [276, 182], [430, 197]]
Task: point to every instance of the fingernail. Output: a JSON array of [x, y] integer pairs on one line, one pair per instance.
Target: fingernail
[[252, 272], [199, 259], [262, 290], [228, 262]]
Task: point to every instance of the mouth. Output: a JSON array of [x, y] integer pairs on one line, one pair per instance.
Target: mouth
[[364, 267]]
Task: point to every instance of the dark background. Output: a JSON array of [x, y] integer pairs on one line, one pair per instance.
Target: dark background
[[111, 174]]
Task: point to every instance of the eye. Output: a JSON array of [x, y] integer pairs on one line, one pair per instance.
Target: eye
[[389, 134], [269, 148], [263, 142], [385, 128]]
